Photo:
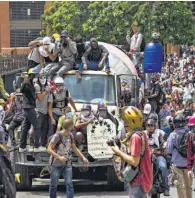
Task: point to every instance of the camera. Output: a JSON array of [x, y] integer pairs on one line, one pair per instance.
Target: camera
[[113, 141]]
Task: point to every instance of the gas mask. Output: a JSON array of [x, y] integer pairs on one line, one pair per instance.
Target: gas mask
[[19, 97], [63, 41], [86, 112], [59, 88], [42, 80], [103, 113], [94, 46], [34, 80]]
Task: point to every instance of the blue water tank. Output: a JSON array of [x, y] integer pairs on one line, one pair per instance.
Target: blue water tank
[[153, 58]]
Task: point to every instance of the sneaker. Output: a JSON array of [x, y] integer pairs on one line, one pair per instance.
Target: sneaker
[[78, 74], [21, 150], [40, 149], [31, 149], [166, 193]]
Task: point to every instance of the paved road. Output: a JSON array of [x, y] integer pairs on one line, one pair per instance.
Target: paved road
[[81, 191]]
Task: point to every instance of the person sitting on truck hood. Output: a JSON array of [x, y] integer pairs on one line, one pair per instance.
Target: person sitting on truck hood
[[95, 57], [86, 117], [67, 54]]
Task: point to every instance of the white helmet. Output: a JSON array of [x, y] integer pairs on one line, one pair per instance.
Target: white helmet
[[59, 80], [147, 109]]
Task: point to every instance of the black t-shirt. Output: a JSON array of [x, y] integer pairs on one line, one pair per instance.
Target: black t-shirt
[[156, 88]]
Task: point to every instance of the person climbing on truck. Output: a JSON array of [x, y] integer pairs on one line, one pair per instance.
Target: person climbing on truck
[[95, 58], [16, 107], [58, 100]]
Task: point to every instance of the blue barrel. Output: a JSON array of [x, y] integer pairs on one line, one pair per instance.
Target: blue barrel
[[153, 58]]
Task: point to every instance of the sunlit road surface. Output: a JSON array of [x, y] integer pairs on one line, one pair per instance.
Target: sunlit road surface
[[83, 189]]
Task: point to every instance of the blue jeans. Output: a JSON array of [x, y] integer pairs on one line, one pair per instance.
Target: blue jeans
[[164, 172], [136, 192], [94, 65], [56, 172]]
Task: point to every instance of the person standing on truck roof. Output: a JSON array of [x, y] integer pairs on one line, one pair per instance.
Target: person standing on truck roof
[[142, 183], [95, 58], [58, 100], [134, 39], [60, 147], [29, 105], [67, 54]]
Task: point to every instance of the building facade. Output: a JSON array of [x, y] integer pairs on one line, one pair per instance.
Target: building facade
[[20, 22]]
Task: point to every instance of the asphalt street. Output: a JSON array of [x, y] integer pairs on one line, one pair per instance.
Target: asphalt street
[[88, 190]]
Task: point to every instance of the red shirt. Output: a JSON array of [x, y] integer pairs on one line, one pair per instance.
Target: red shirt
[[190, 153], [145, 177]]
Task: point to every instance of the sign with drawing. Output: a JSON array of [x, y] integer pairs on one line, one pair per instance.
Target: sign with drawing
[[97, 135]]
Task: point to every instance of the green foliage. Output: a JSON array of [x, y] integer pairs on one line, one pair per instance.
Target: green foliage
[[110, 20]]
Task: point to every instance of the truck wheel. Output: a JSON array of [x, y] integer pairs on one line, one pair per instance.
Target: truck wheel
[[25, 178], [114, 184]]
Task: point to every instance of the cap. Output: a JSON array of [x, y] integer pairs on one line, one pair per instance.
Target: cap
[[172, 110], [147, 109], [46, 41]]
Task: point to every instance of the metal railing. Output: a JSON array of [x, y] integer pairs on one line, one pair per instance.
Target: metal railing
[[10, 64]]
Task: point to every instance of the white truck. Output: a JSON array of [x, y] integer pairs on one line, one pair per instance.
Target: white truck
[[94, 87]]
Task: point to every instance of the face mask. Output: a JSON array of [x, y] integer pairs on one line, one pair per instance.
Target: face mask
[[34, 80], [86, 113], [103, 114], [68, 115], [42, 80], [59, 88], [19, 99]]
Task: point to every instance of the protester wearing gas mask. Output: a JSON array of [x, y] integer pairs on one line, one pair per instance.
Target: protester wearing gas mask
[[30, 118], [16, 107], [67, 54], [58, 100], [84, 119], [42, 91]]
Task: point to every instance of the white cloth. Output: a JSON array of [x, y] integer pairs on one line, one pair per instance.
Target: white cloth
[[43, 52]]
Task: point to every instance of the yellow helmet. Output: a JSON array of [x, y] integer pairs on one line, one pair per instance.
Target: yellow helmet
[[56, 36], [132, 116]]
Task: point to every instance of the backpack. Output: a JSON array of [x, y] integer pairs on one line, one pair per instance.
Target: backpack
[[7, 177], [182, 143], [125, 172], [65, 100], [56, 146]]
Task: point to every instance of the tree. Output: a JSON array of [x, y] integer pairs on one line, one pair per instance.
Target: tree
[[68, 15], [109, 21]]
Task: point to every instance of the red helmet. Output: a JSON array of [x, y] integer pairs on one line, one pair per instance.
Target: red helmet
[[191, 121]]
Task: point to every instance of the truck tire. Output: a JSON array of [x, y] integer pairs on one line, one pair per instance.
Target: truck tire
[[25, 178], [114, 184]]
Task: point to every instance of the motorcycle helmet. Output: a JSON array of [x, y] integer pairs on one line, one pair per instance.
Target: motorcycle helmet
[[59, 80], [150, 122], [179, 121], [102, 105], [86, 110], [154, 117], [132, 116]]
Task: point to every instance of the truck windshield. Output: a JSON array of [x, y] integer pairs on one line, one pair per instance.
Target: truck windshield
[[91, 89]]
